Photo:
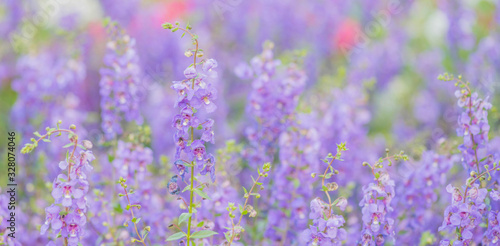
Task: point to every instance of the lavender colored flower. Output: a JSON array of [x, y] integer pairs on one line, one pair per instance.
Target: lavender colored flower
[[52, 219], [492, 234], [467, 209], [326, 228], [119, 85], [67, 215], [274, 96], [173, 187], [131, 161], [378, 226], [418, 195], [474, 128], [193, 94], [299, 147], [465, 214]]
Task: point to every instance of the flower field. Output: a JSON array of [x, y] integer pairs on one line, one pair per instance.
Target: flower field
[[248, 123]]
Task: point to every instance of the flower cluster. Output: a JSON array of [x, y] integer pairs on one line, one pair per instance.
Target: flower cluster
[[274, 96], [378, 225], [418, 194], [467, 209], [473, 126], [376, 203], [326, 228], [131, 161], [119, 85], [67, 215], [195, 93], [492, 235], [465, 213], [299, 147]]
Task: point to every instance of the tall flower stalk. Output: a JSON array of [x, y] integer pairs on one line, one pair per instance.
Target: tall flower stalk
[[326, 228], [292, 187], [135, 220], [272, 101], [67, 215], [419, 194], [119, 82], [378, 226], [235, 231], [195, 92], [468, 207]]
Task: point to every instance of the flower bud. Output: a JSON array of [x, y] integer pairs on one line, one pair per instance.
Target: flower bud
[[87, 144]]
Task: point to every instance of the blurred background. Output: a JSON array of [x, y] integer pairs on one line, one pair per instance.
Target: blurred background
[[371, 67]]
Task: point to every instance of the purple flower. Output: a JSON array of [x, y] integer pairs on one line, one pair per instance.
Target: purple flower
[[66, 191], [73, 229], [184, 91], [173, 187], [209, 64], [208, 133], [209, 167], [119, 82], [206, 98], [52, 219], [190, 73], [376, 208], [495, 195], [181, 168], [323, 232], [70, 191], [198, 151]]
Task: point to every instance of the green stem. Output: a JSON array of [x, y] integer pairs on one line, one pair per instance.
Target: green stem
[[241, 214], [191, 195], [133, 217]]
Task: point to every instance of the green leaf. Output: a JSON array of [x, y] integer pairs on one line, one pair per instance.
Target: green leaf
[[68, 145], [118, 208], [136, 220], [226, 235], [203, 234], [110, 158], [202, 194], [200, 224], [46, 140], [176, 236], [245, 190], [183, 217], [37, 134], [186, 188], [483, 159]]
